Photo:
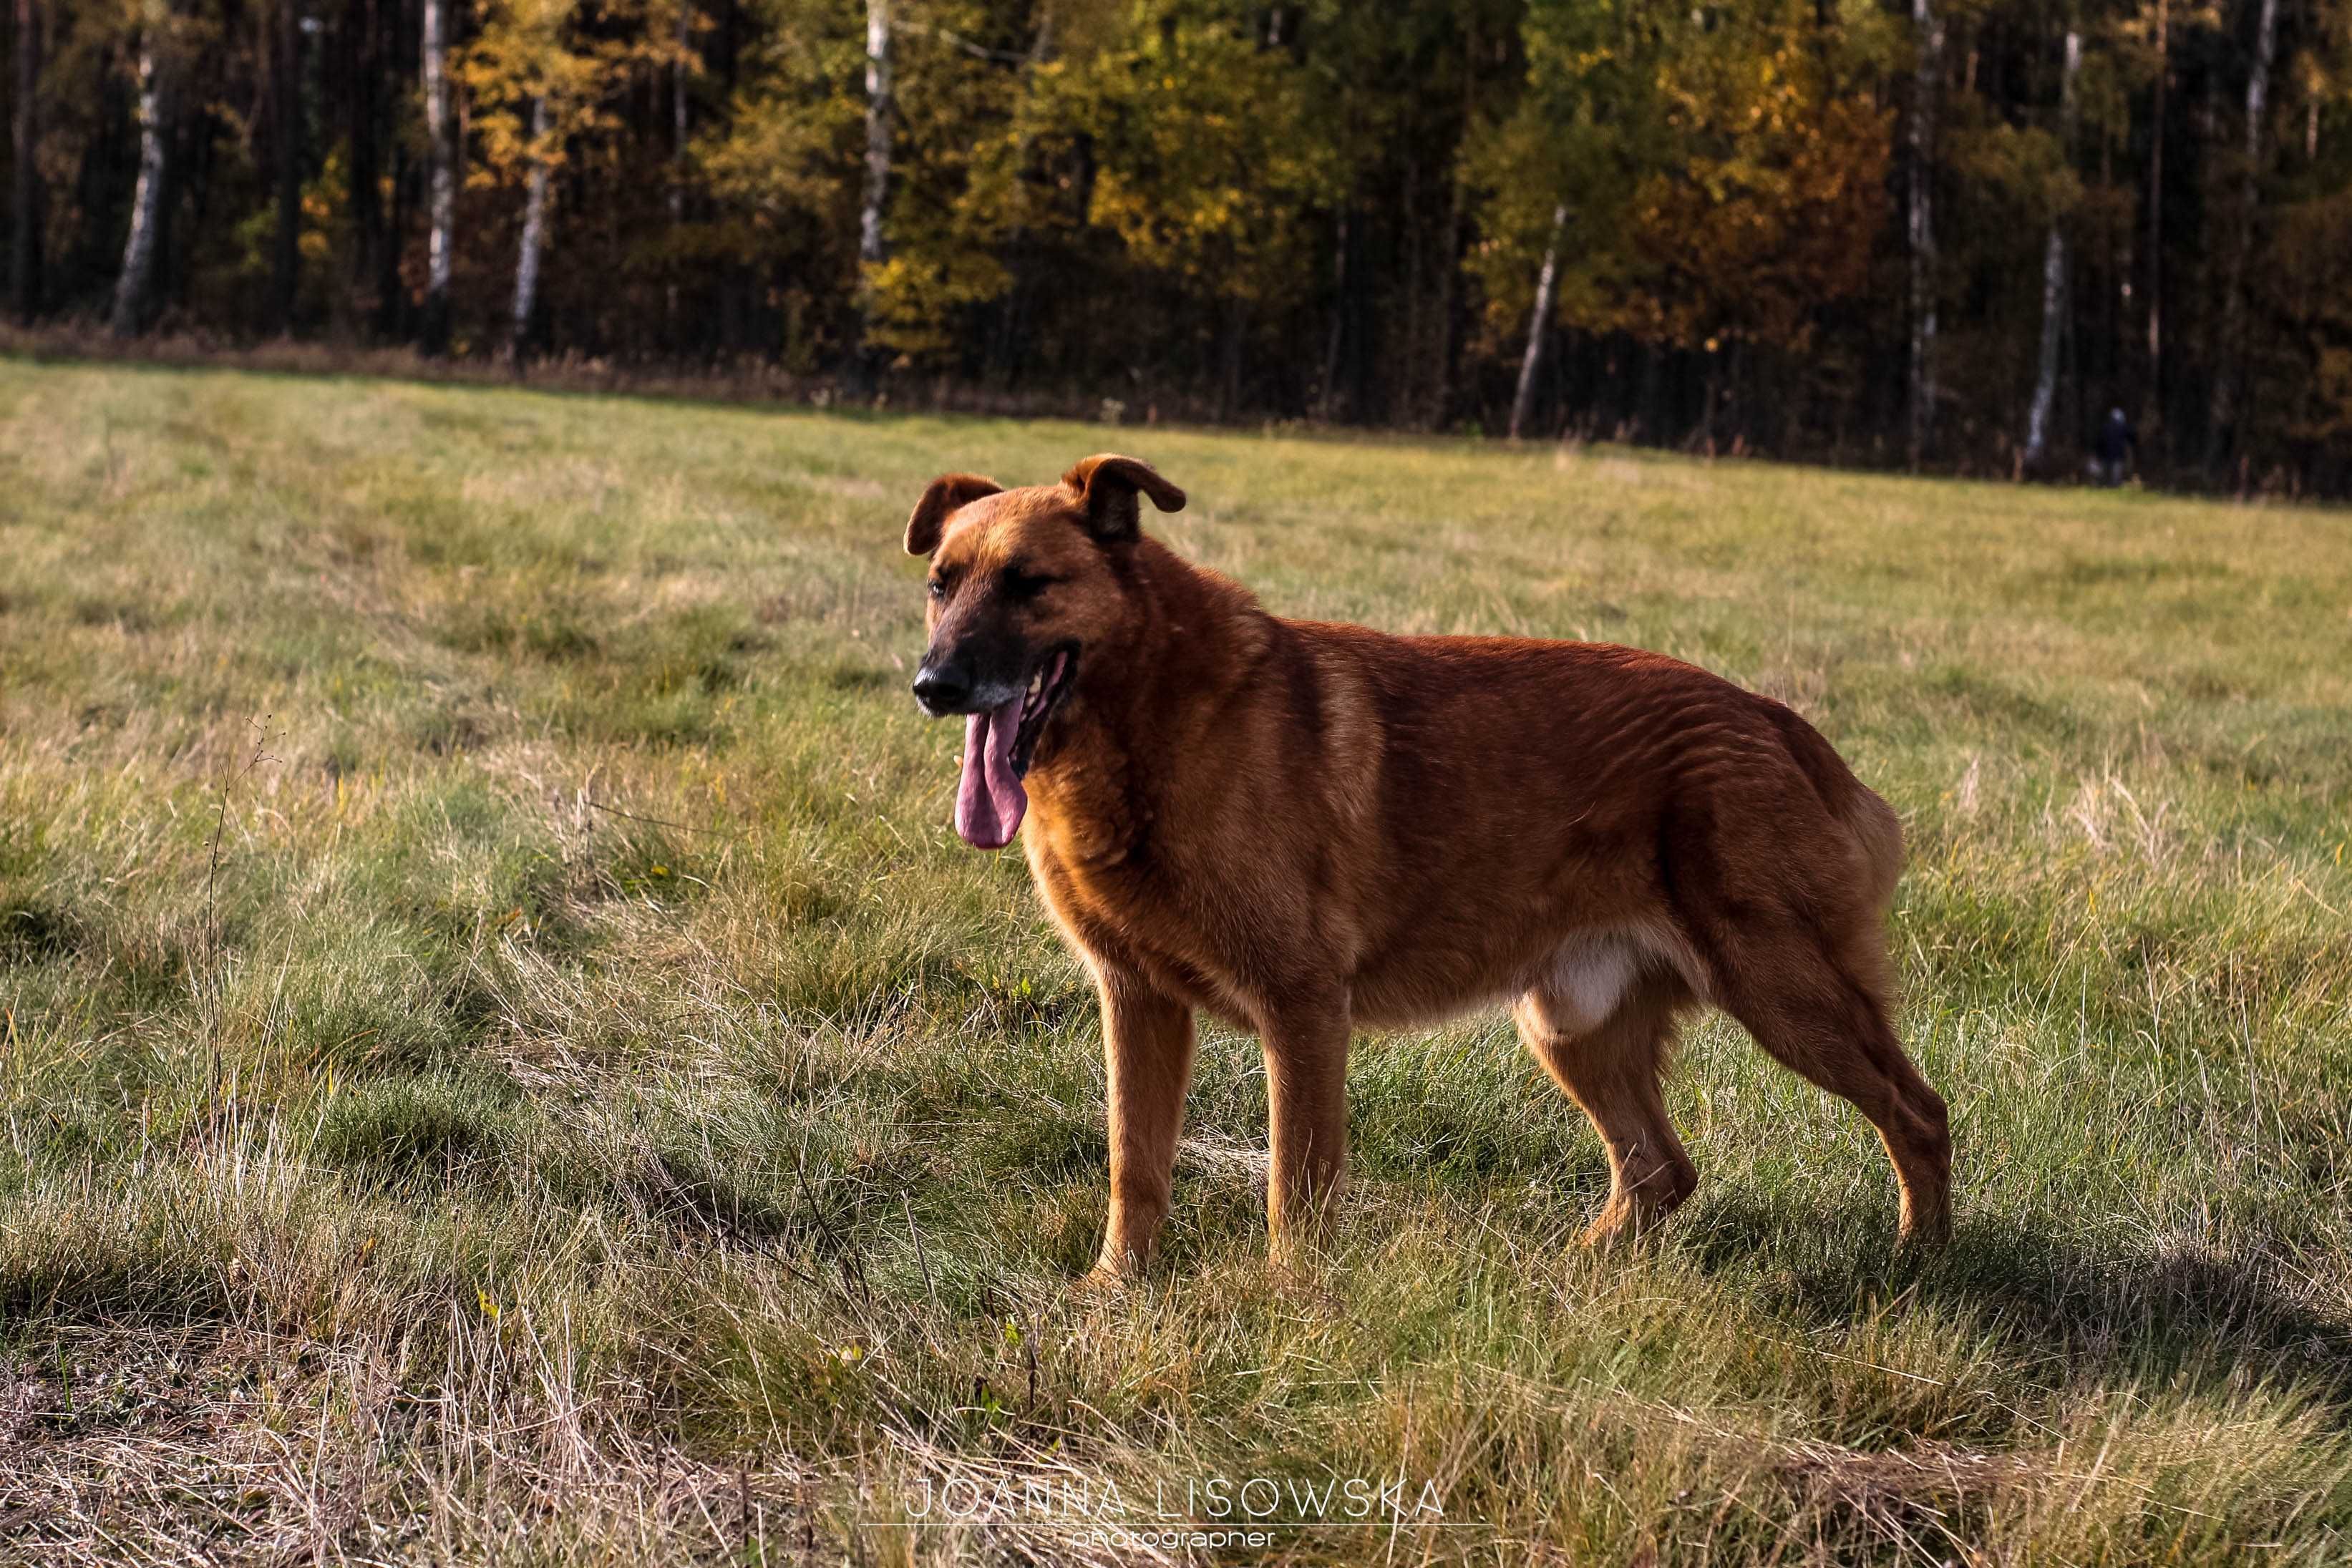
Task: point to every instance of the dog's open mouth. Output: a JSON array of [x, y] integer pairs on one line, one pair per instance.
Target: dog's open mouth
[[997, 747]]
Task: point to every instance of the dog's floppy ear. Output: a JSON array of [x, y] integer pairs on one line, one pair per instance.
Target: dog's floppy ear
[[1106, 486], [943, 495]]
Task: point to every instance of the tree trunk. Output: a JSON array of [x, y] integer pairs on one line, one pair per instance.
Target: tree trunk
[[363, 60], [2230, 353], [534, 235], [134, 287], [1229, 380], [678, 106], [25, 259], [1449, 256], [1922, 227], [1329, 390], [441, 162], [1539, 324], [2151, 423], [286, 261], [2054, 274], [871, 250]]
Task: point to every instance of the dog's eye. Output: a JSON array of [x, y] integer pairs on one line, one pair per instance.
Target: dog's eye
[[1020, 584]]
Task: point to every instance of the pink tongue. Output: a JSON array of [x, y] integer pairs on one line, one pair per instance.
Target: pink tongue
[[988, 799]]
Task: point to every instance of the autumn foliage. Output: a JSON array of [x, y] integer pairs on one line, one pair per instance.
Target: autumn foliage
[[1200, 209]]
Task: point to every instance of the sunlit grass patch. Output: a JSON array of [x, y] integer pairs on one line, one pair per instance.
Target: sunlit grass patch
[[501, 1054]]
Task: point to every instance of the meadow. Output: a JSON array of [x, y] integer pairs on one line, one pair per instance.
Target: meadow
[[506, 1060]]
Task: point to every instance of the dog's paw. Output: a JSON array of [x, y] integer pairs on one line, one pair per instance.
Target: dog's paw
[[1104, 1281]]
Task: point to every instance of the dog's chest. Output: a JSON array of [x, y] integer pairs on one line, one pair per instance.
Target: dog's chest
[[1137, 913]]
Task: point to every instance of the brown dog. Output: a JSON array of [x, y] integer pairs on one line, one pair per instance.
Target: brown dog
[[1307, 828]]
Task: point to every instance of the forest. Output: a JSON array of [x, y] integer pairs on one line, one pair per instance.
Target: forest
[[1946, 234]]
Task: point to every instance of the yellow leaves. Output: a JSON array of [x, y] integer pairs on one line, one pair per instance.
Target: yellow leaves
[[915, 298], [565, 52], [488, 1302], [777, 153], [1205, 147]]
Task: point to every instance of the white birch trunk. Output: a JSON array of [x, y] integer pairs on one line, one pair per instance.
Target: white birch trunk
[[1539, 324], [441, 155], [2054, 274], [1922, 228], [870, 247], [136, 282], [534, 234], [875, 198]]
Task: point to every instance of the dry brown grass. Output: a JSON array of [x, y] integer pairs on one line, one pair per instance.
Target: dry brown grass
[[598, 1114]]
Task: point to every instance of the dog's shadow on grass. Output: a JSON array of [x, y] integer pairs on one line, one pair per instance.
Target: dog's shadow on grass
[[2134, 1317]]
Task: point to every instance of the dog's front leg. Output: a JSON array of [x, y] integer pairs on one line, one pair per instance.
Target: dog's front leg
[[1307, 1125], [1148, 1061]]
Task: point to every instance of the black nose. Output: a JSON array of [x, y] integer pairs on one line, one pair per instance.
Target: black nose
[[941, 690]]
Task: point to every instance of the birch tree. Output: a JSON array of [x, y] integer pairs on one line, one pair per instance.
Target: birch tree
[[532, 90], [1805, 227], [2054, 270], [441, 176], [1539, 322], [872, 252], [134, 286], [534, 234], [1587, 125]]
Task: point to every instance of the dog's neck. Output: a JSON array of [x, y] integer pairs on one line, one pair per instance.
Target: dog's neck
[[1194, 638]]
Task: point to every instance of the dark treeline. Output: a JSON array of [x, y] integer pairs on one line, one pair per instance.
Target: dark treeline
[[1946, 233]]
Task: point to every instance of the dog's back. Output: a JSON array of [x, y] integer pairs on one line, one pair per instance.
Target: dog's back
[[1435, 814]]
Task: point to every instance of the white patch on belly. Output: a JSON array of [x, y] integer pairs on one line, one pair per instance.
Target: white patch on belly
[[1588, 977]]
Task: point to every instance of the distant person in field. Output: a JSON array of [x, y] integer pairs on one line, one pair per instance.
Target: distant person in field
[[2111, 452]]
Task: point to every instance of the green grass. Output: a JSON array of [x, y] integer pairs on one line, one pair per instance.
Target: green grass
[[596, 1112]]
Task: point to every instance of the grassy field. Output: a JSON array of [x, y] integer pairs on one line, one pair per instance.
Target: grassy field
[[505, 1058]]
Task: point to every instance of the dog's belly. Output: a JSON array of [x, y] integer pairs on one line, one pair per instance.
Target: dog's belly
[[1418, 988], [1580, 977], [1479, 924], [1453, 945]]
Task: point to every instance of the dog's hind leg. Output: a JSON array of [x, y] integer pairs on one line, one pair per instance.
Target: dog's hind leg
[[1819, 1009], [1606, 1045]]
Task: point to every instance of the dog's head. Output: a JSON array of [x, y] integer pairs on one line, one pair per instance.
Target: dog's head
[[1023, 587]]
